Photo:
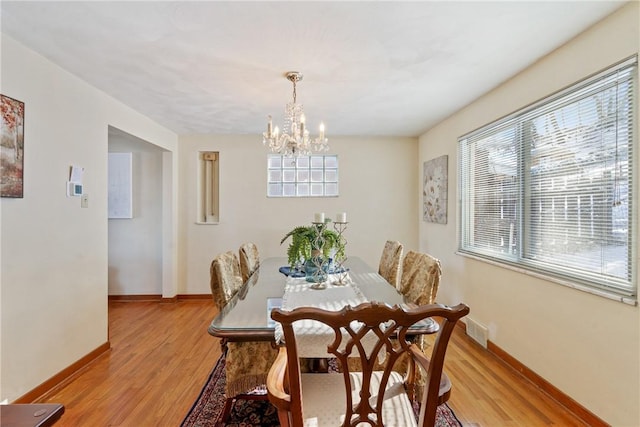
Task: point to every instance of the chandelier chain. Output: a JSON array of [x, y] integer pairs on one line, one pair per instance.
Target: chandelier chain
[[294, 91]]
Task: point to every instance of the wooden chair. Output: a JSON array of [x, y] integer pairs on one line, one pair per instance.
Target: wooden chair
[[389, 266], [249, 259], [246, 363], [375, 398]]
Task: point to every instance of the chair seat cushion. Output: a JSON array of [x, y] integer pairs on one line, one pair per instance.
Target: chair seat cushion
[[323, 408]]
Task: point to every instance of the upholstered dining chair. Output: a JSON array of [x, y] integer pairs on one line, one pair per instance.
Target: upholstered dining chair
[[420, 278], [225, 278], [419, 284], [389, 266], [371, 397], [249, 259], [246, 363]]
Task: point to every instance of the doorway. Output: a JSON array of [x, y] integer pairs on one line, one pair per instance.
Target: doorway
[[140, 258]]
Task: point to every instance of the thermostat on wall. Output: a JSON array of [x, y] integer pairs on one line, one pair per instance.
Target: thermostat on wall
[[74, 184], [74, 189]]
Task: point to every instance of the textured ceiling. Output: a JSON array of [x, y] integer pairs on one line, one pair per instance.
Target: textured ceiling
[[370, 68]]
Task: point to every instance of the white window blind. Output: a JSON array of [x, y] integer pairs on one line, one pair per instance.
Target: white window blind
[[550, 187]]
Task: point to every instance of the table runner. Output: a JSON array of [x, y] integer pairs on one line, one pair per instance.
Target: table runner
[[312, 336]]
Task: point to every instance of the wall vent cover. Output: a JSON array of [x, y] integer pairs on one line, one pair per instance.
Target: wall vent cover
[[478, 332]]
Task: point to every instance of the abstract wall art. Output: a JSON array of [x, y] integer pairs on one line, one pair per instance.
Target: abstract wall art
[[434, 190]]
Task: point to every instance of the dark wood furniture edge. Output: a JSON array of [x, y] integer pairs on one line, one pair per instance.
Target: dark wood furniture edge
[[33, 414], [239, 336], [552, 391], [63, 377]]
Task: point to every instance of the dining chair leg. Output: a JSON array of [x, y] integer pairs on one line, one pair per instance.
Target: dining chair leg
[[226, 411], [230, 401], [321, 365], [284, 419]]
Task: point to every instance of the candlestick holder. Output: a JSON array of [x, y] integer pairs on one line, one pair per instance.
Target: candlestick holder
[[341, 256], [316, 267]]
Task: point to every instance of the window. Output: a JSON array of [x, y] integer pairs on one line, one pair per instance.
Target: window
[[208, 190], [302, 176], [550, 188]]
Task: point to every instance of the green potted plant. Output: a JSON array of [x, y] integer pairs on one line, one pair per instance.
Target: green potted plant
[[312, 246]]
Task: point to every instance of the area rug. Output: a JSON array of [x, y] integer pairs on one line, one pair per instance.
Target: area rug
[[256, 413]]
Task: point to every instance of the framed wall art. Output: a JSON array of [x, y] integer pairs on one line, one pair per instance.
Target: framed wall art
[[11, 147], [434, 190]]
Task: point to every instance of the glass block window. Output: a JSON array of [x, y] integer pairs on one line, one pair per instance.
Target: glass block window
[[302, 176]]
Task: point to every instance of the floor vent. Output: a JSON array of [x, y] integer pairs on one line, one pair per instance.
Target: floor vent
[[478, 332]]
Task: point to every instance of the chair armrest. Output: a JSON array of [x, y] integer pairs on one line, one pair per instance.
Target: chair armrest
[[277, 386], [418, 356], [444, 389], [415, 356]]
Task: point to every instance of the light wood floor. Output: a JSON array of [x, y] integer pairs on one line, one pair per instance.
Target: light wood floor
[[161, 356]]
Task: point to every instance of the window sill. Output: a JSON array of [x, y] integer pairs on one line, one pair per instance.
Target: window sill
[[207, 223], [598, 292]]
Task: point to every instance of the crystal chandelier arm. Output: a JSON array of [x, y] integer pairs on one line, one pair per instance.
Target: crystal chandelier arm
[[269, 127]]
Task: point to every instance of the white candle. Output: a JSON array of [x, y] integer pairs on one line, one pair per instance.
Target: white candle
[[318, 217], [321, 130], [341, 217]]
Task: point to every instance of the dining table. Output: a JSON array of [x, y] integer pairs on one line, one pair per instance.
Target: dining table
[[247, 315]]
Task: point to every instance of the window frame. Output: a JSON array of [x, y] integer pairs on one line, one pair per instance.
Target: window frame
[[626, 292]]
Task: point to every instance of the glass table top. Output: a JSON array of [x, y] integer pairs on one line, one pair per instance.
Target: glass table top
[[247, 315]]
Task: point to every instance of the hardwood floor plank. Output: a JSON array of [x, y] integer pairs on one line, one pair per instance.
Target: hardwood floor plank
[[161, 356]]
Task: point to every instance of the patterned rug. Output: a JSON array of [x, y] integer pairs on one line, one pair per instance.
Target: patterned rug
[[253, 413]]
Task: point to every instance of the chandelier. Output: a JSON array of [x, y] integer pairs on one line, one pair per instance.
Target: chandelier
[[294, 139]]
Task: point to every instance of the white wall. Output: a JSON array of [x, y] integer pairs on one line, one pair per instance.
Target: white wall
[[376, 190], [135, 244], [585, 345], [53, 275]]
